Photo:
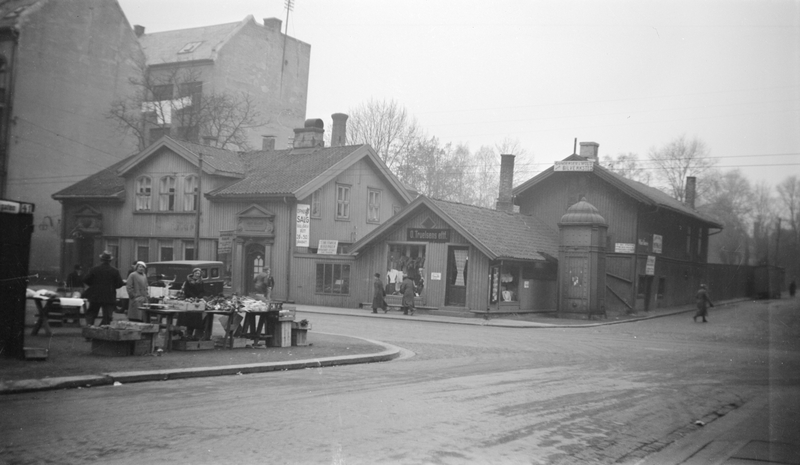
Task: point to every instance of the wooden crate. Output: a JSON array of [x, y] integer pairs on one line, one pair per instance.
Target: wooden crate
[[192, 345], [281, 334], [142, 347], [299, 337], [111, 334]]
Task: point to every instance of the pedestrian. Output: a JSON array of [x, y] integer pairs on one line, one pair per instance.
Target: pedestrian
[[703, 302], [138, 292], [407, 289], [378, 300], [103, 281], [75, 281], [792, 288], [193, 288], [264, 283]]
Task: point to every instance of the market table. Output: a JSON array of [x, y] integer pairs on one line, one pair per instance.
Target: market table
[[43, 310], [258, 325], [165, 318], [208, 320]]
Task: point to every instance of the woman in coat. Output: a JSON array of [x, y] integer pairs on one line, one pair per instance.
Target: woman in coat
[[703, 302], [378, 294], [407, 289], [138, 292]]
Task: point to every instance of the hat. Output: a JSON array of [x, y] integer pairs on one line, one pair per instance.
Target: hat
[[136, 265], [703, 286], [106, 256], [196, 269]]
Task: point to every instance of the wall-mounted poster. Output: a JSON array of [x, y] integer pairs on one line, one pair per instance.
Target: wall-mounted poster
[[303, 234], [327, 247], [656, 243], [650, 267]]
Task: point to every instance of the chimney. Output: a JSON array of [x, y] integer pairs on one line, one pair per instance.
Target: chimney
[[339, 130], [505, 200], [310, 135], [267, 142], [138, 30], [589, 150], [273, 23], [691, 191]]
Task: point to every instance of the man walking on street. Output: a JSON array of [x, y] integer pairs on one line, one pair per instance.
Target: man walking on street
[[703, 302], [378, 294], [103, 281]]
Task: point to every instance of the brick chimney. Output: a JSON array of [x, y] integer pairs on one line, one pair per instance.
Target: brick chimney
[[589, 150], [138, 30], [267, 143], [339, 130], [310, 135], [691, 191], [505, 200], [273, 23]]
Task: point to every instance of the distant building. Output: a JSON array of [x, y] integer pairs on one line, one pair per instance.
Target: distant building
[[62, 63]]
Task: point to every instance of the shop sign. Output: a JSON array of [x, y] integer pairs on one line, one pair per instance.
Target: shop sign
[[650, 267], [429, 235], [327, 247], [573, 166], [436, 276], [225, 243], [303, 234], [621, 247], [15, 208], [656, 243]]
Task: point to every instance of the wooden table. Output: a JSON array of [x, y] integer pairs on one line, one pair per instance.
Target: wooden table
[[165, 317], [43, 312], [257, 325], [208, 320]]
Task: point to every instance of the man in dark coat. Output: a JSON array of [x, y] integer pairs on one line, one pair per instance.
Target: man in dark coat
[[103, 281], [407, 289], [703, 302], [378, 294]]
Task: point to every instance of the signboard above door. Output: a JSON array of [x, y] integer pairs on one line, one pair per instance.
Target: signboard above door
[[428, 235]]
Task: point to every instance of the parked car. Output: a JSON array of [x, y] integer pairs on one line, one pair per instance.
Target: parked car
[[167, 278]]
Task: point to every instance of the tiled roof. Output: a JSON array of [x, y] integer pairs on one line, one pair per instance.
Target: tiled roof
[[163, 47], [505, 234], [223, 161], [105, 183], [283, 171]]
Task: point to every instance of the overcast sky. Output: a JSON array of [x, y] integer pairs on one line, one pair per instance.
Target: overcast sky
[[629, 75]]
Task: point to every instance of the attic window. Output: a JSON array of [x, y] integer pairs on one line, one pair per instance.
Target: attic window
[[190, 47]]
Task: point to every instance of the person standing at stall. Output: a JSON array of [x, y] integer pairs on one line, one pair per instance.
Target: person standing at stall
[[407, 289], [138, 291], [378, 294], [75, 280], [103, 281], [703, 302], [264, 283], [193, 288]]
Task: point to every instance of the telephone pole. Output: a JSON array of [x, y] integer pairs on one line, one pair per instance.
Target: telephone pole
[[197, 207]]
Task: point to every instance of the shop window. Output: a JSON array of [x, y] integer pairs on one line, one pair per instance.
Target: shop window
[[509, 282], [143, 193], [142, 251], [342, 202], [190, 192], [188, 250], [166, 198], [165, 251], [405, 260], [373, 206], [316, 210], [333, 278]]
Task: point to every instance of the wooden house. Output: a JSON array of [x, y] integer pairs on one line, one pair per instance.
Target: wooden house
[[293, 210]]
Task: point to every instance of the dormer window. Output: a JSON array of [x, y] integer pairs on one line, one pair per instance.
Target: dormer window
[[166, 200], [143, 193], [190, 194], [189, 48]]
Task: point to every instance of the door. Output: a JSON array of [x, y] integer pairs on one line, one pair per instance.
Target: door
[[254, 261], [457, 268], [86, 257]]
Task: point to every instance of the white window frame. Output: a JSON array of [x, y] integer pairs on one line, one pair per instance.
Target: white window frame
[[343, 192], [190, 193], [316, 204], [373, 205], [166, 194], [144, 193]]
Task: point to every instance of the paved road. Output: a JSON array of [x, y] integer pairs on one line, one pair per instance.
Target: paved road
[[462, 394]]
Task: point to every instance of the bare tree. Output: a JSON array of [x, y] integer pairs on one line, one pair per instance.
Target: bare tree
[[789, 194], [387, 128], [730, 199], [627, 165], [678, 159], [486, 177], [173, 102], [763, 216]]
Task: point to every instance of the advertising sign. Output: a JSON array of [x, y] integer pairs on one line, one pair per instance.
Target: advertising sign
[[303, 234], [650, 267], [225, 243], [573, 166], [622, 247], [327, 247], [436, 276], [430, 235], [656, 243]]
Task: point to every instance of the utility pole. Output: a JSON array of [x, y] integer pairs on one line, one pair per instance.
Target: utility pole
[[289, 7], [197, 208]]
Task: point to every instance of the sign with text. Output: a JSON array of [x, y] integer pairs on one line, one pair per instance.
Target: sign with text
[[303, 234], [573, 166], [429, 235], [327, 247], [15, 208], [225, 243], [622, 247], [656, 243], [436, 276], [650, 267]]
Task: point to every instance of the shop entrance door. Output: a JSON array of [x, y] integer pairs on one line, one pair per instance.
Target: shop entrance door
[[254, 262], [457, 267], [85, 253]]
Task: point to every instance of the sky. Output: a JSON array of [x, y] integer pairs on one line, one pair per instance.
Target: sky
[[630, 75]]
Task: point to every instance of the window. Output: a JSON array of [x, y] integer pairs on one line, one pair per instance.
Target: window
[[190, 194], [162, 92], [142, 251], [188, 250], [166, 199], [316, 210], [333, 279], [165, 249], [112, 245], [190, 47], [342, 202], [143, 193], [373, 206]]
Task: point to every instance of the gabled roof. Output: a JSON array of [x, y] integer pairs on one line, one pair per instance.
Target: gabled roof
[[634, 189], [164, 47], [216, 161], [498, 234], [12, 10], [105, 184]]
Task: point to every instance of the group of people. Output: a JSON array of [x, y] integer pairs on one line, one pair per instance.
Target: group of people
[[407, 289], [99, 286]]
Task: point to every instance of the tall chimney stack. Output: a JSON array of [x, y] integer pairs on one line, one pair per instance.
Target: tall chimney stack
[[505, 200], [138, 30], [691, 191], [589, 150], [310, 135], [339, 130]]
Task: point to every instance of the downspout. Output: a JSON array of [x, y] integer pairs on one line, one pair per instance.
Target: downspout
[[293, 232]]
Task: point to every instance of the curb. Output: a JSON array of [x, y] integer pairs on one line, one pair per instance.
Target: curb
[[109, 379]]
